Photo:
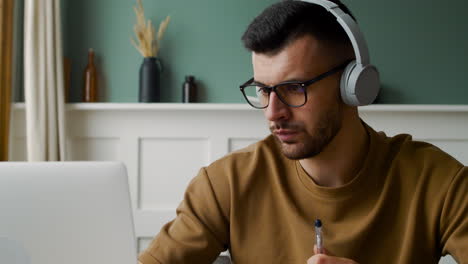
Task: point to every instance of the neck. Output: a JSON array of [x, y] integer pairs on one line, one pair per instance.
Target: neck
[[342, 159]]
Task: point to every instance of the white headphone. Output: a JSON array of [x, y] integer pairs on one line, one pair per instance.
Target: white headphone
[[360, 82]]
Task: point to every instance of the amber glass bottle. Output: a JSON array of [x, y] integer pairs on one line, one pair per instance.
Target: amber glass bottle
[[90, 90]]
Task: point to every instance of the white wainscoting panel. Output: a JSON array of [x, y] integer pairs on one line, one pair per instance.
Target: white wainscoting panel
[[238, 143], [164, 145], [98, 148], [166, 167]]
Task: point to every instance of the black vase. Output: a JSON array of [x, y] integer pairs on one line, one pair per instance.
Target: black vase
[[150, 71]]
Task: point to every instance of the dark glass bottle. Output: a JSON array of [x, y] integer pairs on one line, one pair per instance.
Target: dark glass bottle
[[189, 90], [90, 90]]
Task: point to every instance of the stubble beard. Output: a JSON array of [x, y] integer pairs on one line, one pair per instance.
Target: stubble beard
[[307, 145]]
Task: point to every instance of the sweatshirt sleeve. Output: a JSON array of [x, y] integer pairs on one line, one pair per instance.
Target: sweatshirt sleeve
[[454, 219], [200, 230]]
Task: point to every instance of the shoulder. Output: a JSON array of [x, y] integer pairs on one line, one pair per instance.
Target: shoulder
[[248, 158], [420, 162], [424, 155]]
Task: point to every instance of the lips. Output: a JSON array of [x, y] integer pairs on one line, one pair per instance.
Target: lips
[[286, 135]]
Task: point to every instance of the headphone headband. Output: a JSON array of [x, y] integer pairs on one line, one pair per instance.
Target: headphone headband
[[352, 30]]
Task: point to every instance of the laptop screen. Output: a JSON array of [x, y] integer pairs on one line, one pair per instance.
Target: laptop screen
[[65, 212]]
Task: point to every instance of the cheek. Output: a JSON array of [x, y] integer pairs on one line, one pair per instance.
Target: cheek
[[325, 95], [318, 109], [309, 116]]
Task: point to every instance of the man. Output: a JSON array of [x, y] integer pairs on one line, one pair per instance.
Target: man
[[381, 199]]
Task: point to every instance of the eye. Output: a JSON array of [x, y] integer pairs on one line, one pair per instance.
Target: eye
[[262, 90], [292, 88]]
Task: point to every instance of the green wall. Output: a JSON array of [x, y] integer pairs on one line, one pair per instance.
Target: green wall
[[203, 39], [419, 46]]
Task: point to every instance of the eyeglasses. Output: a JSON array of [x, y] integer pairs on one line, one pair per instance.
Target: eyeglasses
[[293, 94]]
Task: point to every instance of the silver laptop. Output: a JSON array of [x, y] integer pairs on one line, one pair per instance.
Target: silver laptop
[[65, 213]]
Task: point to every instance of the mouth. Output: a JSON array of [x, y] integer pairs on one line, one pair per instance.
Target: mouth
[[285, 135]]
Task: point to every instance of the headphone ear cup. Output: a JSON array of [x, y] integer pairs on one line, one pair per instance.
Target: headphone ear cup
[[359, 85], [345, 95]]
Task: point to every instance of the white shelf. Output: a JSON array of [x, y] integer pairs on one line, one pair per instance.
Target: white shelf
[[147, 106], [242, 106]]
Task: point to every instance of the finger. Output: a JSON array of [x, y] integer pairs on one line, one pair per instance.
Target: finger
[[318, 259], [323, 251], [324, 259]]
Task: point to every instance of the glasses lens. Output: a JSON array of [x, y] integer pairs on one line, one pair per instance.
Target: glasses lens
[[292, 94], [257, 96]]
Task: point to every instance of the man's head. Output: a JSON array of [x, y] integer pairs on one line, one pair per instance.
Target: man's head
[[297, 41], [288, 20]]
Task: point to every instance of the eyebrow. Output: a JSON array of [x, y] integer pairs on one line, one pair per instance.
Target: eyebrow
[[291, 80]]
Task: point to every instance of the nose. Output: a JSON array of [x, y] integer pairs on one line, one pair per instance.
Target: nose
[[276, 109]]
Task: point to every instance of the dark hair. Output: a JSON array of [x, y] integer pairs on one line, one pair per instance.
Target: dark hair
[[286, 21]]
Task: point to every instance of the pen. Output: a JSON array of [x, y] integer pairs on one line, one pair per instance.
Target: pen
[[318, 236]]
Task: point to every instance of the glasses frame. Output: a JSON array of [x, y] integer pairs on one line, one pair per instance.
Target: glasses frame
[[304, 84]]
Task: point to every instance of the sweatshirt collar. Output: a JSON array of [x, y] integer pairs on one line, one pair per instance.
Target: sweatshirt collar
[[359, 183]]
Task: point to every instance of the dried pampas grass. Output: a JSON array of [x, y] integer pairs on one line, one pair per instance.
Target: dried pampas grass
[[147, 42]]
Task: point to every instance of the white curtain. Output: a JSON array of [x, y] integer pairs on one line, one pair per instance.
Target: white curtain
[[44, 81]]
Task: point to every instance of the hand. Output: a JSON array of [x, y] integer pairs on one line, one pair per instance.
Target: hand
[[327, 259]]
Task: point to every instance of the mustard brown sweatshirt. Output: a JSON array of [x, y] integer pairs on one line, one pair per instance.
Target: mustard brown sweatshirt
[[408, 204]]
